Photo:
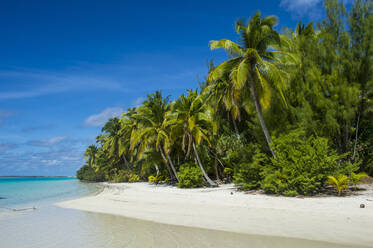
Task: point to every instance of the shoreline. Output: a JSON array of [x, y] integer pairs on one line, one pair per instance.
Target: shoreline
[[330, 219]]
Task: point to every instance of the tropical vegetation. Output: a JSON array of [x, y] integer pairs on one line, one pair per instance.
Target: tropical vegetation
[[288, 112]]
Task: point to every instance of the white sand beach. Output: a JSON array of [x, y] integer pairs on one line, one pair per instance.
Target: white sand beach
[[332, 219]]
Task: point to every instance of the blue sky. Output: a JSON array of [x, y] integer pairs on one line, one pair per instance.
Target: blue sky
[[67, 66]]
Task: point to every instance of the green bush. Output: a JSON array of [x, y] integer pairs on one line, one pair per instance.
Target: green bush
[[134, 178], [247, 175], [155, 179], [121, 177], [302, 165], [228, 174], [190, 176], [87, 173]]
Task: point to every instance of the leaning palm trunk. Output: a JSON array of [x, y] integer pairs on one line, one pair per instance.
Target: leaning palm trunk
[[172, 166], [126, 162], [260, 117], [200, 165], [172, 175], [216, 169]]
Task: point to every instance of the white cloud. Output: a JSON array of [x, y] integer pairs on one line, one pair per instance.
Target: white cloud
[[302, 7], [45, 83], [50, 162], [138, 101], [47, 143], [98, 120]]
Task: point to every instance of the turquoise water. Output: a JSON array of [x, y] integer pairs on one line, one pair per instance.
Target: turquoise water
[[16, 192]]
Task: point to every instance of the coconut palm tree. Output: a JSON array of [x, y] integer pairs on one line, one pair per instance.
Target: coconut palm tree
[[193, 119], [252, 64], [112, 138], [340, 182], [222, 95], [90, 154], [151, 117]]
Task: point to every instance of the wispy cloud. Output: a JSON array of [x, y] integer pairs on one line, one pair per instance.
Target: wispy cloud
[[299, 8], [56, 160], [4, 147], [45, 83], [27, 129], [99, 119], [138, 101], [47, 143]]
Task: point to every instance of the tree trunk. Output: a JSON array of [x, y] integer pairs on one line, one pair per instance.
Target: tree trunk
[[235, 125], [216, 169], [166, 163], [260, 117], [356, 136], [200, 165], [172, 166], [156, 168], [346, 137], [126, 162]]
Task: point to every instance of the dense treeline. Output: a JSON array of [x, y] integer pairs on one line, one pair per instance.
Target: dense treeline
[[285, 112]]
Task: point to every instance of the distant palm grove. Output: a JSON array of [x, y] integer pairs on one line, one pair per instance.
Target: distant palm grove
[[288, 113]]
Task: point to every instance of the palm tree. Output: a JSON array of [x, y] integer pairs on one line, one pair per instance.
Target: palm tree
[[90, 154], [252, 64], [112, 138], [340, 182], [222, 95], [151, 117], [193, 119]]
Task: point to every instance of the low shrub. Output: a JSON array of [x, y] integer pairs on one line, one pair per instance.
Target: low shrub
[[339, 182], [87, 173], [302, 165], [133, 178], [155, 179], [190, 176], [247, 175], [121, 177], [228, 174], [356, 178]]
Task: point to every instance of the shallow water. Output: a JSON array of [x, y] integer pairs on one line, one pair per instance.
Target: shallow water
[[54, 227], [19, 192]]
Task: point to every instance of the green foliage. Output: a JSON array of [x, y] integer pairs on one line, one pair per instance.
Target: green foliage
[[190, 176], [340, 182], [155, 179], [247, 174], [134, 178], [121, 177], [87, 173], [355, 178], [302, 164], [228, 173]]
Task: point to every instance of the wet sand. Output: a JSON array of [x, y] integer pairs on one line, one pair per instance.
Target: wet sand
[[54, 227]]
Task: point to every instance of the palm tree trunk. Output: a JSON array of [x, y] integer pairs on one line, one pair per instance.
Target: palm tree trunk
[[200, 165], [172, 166], [126, 162], [261, 120], [156, 168], [235, 125], [166, 163], [216, 169]]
